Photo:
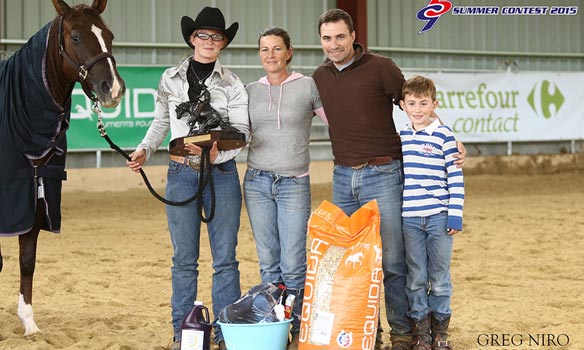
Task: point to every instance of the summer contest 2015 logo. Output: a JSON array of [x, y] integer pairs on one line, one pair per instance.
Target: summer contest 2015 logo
[[543, 96], [432, 12]]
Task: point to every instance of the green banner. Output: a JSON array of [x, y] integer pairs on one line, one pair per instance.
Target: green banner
[[126, 124]]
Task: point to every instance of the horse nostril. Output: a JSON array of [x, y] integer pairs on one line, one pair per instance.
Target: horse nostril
[[105, 87]]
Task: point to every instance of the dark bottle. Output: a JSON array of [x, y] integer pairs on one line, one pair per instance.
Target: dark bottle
[[196, 329]]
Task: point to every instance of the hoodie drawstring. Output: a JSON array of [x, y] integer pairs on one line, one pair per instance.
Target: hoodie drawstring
[[279, 102], [265, 81], [270, 97]]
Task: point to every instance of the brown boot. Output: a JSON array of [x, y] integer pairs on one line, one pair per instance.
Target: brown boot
[[421, 331], [440, 334], [401, 342]]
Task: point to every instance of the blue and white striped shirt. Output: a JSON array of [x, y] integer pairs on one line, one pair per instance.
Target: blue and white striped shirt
[[432, 182]]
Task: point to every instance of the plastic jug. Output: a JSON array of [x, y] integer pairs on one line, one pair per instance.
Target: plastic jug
[[196, 329]]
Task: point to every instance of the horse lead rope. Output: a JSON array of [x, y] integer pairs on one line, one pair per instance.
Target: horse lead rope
[[205, 177]]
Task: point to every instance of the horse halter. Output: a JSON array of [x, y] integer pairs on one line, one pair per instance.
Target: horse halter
[[82, 70]]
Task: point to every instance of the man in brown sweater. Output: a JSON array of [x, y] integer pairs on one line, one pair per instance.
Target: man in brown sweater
[[358, 89]]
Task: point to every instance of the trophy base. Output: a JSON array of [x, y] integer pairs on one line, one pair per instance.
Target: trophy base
[[226, 140]]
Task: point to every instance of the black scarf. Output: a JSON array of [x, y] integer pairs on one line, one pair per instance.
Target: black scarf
[[196, 76]]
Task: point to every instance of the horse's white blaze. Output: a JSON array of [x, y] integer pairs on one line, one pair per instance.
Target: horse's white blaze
[[116, 84], [25, 314]]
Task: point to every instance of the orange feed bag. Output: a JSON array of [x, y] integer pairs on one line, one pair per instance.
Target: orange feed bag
[[343, 279]]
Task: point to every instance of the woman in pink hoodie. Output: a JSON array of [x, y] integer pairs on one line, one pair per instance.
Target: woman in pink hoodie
[[276, 187]]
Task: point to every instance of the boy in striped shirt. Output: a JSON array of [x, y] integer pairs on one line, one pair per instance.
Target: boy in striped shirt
[[432, 213]]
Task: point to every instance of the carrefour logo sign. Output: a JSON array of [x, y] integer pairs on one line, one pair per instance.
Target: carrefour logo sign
[[546, 99], [503, 107], [482, 108], [494, 107]]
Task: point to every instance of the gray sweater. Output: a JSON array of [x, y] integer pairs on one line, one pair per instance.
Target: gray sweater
[[280, 120]]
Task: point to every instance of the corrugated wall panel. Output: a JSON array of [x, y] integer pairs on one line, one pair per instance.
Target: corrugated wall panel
[[393, 26], [149, 34], [392, 30]]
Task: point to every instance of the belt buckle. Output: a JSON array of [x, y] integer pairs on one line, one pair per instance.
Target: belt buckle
[[194, 162], [359, 166]]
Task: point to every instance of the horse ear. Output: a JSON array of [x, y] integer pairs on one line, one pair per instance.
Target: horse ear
[[61, 6], [99, 5]]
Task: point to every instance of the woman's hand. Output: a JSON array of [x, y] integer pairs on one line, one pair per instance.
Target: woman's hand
[[197, 151], [138, 158]]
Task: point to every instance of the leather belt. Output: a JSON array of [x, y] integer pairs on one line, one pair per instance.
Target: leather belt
[[193, 161], [374, 161]]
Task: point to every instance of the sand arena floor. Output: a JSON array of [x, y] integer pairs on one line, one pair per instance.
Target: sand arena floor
[[104, 282]]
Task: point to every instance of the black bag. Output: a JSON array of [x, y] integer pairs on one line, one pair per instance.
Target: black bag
[[257, 305]]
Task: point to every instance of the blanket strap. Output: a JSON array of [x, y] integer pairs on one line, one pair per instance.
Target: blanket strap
[[40, 166], [56, 172]]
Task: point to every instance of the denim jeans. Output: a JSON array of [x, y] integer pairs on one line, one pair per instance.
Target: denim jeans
[[355, 188], [278, 209], [184, 225], [428, 254]]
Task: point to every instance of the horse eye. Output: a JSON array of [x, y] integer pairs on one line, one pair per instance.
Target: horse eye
[[76, 38]]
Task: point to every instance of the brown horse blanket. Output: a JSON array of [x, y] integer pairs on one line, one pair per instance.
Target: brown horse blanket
[[32, 127]]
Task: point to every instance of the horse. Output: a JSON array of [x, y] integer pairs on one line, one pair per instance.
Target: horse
[[354, 259], [36, 85]]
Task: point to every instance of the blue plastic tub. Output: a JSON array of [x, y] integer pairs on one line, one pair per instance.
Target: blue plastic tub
[[258, 336]]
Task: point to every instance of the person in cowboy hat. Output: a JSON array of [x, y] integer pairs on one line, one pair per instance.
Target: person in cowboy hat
[[201, 72]]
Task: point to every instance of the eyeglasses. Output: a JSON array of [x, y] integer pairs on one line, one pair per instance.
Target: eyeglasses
[[214, 37]]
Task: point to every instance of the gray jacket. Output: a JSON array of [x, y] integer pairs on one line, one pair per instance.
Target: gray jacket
[[228, 98]]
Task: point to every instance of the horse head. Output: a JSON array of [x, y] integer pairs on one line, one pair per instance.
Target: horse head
[[85, 44]]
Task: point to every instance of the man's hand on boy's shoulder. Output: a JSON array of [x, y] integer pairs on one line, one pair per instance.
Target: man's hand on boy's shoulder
[[461, 155]]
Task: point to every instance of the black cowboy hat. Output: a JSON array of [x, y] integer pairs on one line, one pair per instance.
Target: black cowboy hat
[[208, 18]]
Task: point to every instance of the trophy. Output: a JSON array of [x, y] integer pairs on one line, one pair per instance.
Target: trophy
[[201, 119]]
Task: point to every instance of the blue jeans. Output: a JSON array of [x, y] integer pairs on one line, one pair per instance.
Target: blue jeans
[[355, 188], [184, 224], [428, 254], [278, 209]]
